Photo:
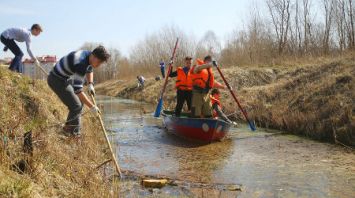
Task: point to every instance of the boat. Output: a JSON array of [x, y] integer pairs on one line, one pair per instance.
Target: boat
[[200, 129]]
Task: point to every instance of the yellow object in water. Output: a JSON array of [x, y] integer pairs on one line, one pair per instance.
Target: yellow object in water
[[154, 183]]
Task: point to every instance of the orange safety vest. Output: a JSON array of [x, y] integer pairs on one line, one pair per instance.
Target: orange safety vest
[[214, 101], [204, 79], [183, 80]]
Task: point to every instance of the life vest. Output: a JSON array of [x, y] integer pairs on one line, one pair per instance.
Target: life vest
[[183, 80], [202, 80], [214, 101]]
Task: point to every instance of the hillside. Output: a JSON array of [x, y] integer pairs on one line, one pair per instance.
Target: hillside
[[58, 166], [316, 101]]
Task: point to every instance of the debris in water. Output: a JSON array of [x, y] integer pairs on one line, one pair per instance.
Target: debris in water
[[234, 188], [154, 183]]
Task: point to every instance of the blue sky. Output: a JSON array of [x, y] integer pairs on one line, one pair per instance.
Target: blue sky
[[117, 23]]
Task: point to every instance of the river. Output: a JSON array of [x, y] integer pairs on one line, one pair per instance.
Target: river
[[265, 163]]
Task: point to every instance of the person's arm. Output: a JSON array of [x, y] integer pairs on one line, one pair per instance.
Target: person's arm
[[29, 51], [218, 85], [90, 77], [220, 113], [198, 68], [173, 74], [85, 100], [90, 80], [78, 90]]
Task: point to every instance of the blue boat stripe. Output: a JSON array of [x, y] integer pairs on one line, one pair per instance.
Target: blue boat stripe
[[197, 123]]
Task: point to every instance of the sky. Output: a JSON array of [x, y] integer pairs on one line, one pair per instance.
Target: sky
[[120, 24]]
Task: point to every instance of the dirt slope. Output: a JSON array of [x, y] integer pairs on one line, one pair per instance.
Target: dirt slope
[[59, 166]]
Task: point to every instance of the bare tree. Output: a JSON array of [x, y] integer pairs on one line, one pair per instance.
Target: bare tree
[[340, 21], [280, 13], [328, 15], [306, 25], [209, 44], [146, 54], [350, 23]]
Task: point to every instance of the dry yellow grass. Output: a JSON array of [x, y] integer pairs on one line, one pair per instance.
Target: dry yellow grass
[[60, 166]]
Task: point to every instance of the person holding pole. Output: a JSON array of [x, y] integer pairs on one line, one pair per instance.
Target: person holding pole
[[183, 85], [76, 65], [8, 38], [202, 81]]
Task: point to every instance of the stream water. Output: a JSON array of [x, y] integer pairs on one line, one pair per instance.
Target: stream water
[[266, 163]]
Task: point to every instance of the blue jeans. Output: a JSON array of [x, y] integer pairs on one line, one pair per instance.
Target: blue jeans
[[16, 63]]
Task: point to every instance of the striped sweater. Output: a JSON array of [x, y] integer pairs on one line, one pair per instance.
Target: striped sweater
[[74, 66]]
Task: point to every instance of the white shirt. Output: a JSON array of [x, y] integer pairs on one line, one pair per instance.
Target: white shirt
[[20, 35]]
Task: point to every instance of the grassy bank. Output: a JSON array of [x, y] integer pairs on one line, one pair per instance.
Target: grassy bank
[[315, 100], [58, 166]]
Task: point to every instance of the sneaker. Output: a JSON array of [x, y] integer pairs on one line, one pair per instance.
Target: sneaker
[[71, 131], [76, 133]]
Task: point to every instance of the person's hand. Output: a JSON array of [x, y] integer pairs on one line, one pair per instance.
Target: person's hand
[[235, 124], [91, 89], [37, 63], [214, 63], [95, 110], [209, 64]]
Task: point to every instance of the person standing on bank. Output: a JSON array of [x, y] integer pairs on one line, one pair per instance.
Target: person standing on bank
[[8, 38], [183, 86], [76, 65], [162, 68]]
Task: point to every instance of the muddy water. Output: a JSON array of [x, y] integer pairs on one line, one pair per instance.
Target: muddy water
[[265, 163]]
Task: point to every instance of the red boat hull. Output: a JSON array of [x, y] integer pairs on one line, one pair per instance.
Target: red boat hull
[[205, 130]]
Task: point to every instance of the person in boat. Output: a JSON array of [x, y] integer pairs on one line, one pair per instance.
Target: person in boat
[[202, 81], [77, 65], [183, 86], [141, 81], [8, 38], [217, 107]]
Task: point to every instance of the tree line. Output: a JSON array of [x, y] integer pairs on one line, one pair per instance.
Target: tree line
[[277, 29]]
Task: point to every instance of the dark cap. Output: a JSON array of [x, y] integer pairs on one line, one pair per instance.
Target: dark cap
[[37, 27], [208, 58], [188, 58]]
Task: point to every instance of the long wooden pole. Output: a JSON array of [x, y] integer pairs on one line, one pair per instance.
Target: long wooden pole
[[107, 140], [251, 124], [160, 103], [43, 70]]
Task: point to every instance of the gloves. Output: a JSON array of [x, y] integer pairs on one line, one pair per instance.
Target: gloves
[[95, 110], [37, 63], [214, 63], [91, 89]]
